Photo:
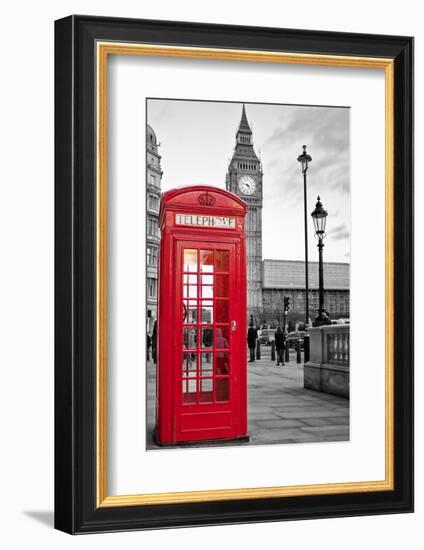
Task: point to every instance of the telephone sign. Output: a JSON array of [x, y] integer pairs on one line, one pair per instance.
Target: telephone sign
[[201, 361], [205, 221]]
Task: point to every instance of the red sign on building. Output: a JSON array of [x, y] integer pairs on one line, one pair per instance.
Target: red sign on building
[[201, 377]]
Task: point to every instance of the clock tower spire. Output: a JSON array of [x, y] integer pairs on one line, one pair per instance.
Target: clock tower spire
[[244, 178]]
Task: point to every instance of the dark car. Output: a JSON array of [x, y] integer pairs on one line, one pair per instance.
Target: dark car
[[266, 336], [293, 337]]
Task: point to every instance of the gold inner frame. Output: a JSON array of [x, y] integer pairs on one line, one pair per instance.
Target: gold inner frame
[[104, 49]]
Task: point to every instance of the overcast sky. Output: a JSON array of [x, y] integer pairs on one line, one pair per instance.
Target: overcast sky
[[197, 141]]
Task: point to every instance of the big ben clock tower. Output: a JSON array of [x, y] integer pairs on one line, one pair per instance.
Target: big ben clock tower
[[244, 178]]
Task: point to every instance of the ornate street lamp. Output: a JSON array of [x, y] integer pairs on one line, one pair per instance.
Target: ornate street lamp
[[319, 216], [304, 160]]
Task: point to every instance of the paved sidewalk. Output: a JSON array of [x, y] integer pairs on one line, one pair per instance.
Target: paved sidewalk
[[280, 409]]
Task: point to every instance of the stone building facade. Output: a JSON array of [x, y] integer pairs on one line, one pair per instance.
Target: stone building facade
[[287, 278], [244, 179], [153, 193]]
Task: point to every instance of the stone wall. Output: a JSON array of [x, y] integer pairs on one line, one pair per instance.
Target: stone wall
[[328, 367]]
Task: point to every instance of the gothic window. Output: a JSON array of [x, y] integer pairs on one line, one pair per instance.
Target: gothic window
[[153, 203], [151, 288], [152, 227], [152, 254]]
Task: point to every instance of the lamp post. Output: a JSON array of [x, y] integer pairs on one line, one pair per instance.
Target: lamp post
[[304, 160], [319, 216]]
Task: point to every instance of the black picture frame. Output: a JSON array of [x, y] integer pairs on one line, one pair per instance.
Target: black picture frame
[[76, 509]]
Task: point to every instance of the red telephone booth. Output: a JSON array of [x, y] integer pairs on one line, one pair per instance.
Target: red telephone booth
[[202, 371]]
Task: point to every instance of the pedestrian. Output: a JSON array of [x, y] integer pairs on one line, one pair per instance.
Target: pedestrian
[[280, 341], [221, 356], [148, 342], [252, 335], [207, 339], [192, 341], [154, 342]]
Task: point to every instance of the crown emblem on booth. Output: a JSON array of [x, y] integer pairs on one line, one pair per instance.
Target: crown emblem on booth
[[206, 200]]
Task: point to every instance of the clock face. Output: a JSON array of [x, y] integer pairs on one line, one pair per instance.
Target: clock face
[[247, 185]]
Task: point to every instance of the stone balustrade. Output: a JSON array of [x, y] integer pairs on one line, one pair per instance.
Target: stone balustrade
[[328, 367]]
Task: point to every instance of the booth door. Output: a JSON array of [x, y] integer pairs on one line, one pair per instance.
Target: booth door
[[206, 388]]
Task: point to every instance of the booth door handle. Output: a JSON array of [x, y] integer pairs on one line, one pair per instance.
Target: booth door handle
[[233, 326]]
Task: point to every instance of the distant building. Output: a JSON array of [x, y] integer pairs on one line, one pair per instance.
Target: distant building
[[287, 278], [153, 192]]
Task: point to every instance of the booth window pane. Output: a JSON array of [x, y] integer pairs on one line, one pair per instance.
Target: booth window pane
[[189, 364], [222, 260], [207, 312], [221, 286], [206, 261], [190, 260], [222, 338], [189, 338], [205, 364], [222, 363], [190, 291], [190, 312], [221, 311], [207, 291], [190, 279], [189, 390], [222, 389], [206, 390], [207, 337], [207, 279]]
